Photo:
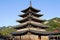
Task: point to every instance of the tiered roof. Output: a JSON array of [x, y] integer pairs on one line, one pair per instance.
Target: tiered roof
[[31, 21], [34, 14], [36, 32], [32, 24], [32, 9], [31, 18]]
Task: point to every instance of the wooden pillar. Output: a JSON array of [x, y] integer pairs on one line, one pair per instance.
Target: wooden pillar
[[39, 36], [54, 38], [13, 38], [20, 37], [57, 37]]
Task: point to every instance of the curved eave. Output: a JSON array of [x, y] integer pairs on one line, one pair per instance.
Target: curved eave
[[53, 36], [32, 24], [31, 8], [39, 25], [25, 26], [21, 26], [44, 33], [35, 32], [37, 19], [19, 33], [32, 18], [34, 14]]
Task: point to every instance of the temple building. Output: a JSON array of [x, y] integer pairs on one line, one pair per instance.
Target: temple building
[[31, 27]]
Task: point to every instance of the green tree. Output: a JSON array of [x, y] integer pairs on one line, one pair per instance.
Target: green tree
[[6, 31], [54, 25]]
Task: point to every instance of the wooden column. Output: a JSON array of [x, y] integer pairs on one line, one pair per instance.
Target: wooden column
[[20, 37], [13, 38], [57, 37], [39, 36], [54, 38]]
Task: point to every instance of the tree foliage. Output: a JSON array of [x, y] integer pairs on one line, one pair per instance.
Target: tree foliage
[[5, 31], [54, 25]]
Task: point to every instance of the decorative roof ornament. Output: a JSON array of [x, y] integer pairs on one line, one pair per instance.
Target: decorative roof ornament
[[30, 3]]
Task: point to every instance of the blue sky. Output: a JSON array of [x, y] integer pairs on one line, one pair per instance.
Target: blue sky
[[10, 9]]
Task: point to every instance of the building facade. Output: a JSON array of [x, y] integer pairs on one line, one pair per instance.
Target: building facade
[[31, 27]]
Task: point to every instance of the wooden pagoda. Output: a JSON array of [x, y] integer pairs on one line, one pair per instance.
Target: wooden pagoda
[[31, 27]]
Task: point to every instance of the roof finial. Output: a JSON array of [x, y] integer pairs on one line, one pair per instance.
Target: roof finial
[[30, 3]]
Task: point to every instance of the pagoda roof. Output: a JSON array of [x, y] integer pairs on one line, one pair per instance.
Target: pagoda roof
[[20, 26], [33, 24], [32, 19], [39, 24], [35, 32], [34, 14], [30, 8], [54, 36]]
